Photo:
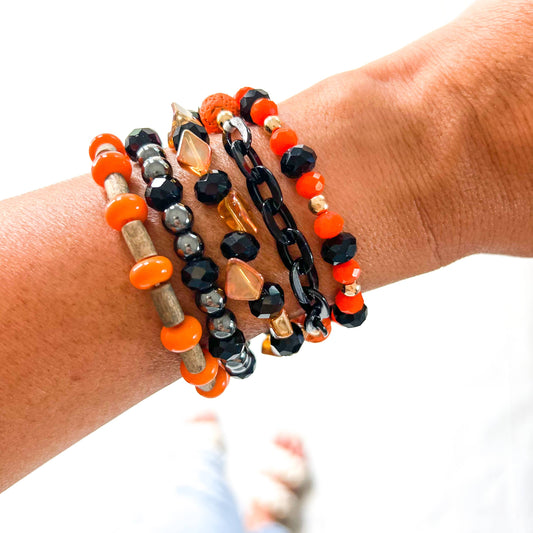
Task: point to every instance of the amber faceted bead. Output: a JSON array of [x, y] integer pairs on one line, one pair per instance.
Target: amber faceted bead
[[193, 154], [234, 211], [182, 337], [242, 281], [151, 271], [123, 209]]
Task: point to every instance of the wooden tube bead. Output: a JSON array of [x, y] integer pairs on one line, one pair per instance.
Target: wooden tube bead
[[167, 305], [194, 359], [203, 377], [138, 240], [114, 185]]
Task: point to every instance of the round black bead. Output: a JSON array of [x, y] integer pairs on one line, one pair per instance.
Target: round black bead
[[138, 138], [156, 167], [212, 187], [188, 245], [228, 347], [271, 301], [339, 249], [347, 320], [298, 160], [197, 129], [149, 150], [177, 218], [212, 302], [240, 245], [163, 192], [288, 345], [200, 274], [248, 100], [222, 326]]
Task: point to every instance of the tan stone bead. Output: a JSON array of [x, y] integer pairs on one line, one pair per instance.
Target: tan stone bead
[[317, 204], [194, 154], [242, 281], [235, 213], [273, 122], [280, 325], [352, 289]]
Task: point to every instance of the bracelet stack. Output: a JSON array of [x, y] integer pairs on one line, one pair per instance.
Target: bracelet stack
[[228, 352]]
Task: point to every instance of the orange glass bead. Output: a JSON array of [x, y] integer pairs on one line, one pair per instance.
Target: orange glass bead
[[328, 224], [240, 93], [314, 338], [212, 106], [105, 138], [151, 271], [205, 376], [282, 139], [124, 208], [347, 273], [221, 382], [310, 184], [349, 304], [262, 109], [109, 163], [182, 337]]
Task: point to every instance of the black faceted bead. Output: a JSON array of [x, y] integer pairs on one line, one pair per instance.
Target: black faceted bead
[[212, 187], [188, 245], [288, 345], [298, 160], [339, 249], [163, 192], [195, 114], [228, 347], [149, 150], [271, 301], [240, 245], [347, 320], [248, 100], [242, 366], [139, 137], [156, 167], [197, 129], [200, 274]]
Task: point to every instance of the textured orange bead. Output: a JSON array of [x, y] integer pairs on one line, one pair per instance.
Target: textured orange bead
[[221, 382], [262, 109], [151, 271], [310, 184], [347, 273], [349, 304], [205, 376], [182, 337], [124, 208], [328, 224], [105, 138], [109, 163], [240, 93], [212, 106], [282, 139]]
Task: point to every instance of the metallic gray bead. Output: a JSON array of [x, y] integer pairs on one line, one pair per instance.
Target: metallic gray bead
[[156, 167], [188, 245], [223, 326], [177, 218], [212, 302], [149, 150], [242, 365]]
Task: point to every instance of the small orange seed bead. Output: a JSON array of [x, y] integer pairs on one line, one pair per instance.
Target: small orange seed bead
[[149, 272], [124, 208], [110, 163], [182, 337], [328, 224]]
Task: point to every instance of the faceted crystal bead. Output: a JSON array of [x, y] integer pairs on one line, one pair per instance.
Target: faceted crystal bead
[[240, 245], [339, 249], [298, 160], [193, 127], [200, 274], [248, 100], [242, 281], [212, 302], [213, 187], [347, 320], [288, 345], [242, 365], [280, 325], [163, 192], [235, 213], [270, 302], [194, 154], [182, 120], [228, 347], [138, 138]]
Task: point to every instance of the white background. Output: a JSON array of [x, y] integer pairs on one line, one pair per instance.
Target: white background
[[430, 428]]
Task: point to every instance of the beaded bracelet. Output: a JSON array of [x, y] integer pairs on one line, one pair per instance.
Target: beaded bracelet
[[126, 212], [164, 194], [266, 300]]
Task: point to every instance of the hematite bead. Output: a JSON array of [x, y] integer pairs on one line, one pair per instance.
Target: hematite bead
[[222, 326], [288, 345], [177, 218], [228, 347], [271, 301], [241, 245], [139, 137], [339, 249], [347, 320], [248, 100], [149, 150], [200, 274], [197, 129], [156, 167], [163, 192], [188, 245], [212, 302], [243, 365], [297, 161], [212, 187]]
